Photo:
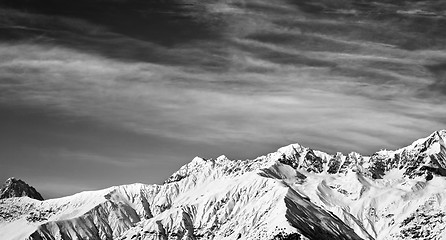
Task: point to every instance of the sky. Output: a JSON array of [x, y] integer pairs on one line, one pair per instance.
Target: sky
[[97, 93]]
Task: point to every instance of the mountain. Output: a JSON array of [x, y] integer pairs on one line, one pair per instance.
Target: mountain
[[293, 193], [17, 188]]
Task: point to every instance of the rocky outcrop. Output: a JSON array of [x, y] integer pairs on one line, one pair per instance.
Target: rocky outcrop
[[293, 193], [425, 157], [17, 188]]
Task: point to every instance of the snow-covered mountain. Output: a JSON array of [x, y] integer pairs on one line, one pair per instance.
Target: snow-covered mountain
[[17, 188], [293, 193]]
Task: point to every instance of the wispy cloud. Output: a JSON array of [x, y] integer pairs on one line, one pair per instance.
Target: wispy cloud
[[123, 161], [202, 106], [265, 75]]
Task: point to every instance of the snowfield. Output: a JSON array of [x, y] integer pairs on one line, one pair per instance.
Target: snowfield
[[294, 193]]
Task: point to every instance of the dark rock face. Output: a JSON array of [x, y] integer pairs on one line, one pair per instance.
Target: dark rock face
[[419, 162], [315, 163], [423, 158], [17, 188], [292, 161]]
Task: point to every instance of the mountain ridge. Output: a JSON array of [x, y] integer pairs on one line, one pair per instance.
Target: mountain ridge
[[293, 193]]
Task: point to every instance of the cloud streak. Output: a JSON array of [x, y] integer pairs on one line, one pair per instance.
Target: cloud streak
[[270, 75], [201, 106]]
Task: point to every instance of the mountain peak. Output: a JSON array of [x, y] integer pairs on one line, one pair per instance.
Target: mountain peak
[[14, 187], [424, 157], [293, 193]]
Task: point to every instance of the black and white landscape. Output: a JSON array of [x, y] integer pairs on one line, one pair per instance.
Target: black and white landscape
[[100, 93], [293, 193]]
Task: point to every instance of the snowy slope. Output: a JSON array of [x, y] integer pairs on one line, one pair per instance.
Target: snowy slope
[[245, 200], [294, 193], [74, 215]]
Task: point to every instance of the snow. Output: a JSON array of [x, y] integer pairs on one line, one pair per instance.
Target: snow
[[295, 191]]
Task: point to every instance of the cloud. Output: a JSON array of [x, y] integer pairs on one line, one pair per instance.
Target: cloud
[[194, 104], [273, 75], [100, 159]]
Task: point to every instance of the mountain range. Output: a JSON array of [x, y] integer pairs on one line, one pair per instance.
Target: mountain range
[[293, 193]]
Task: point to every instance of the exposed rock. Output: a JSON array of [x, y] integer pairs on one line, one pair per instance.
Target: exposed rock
[[17, 188], [293, 193]]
